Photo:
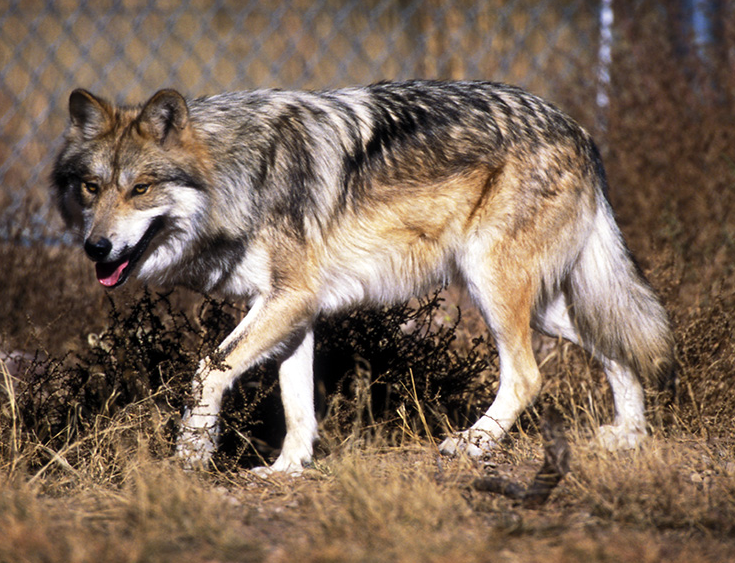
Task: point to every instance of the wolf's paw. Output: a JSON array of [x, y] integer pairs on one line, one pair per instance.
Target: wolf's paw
[[290, 465], [197, 441], [194, 452], [265, 471], [620, 437], [474, 443]]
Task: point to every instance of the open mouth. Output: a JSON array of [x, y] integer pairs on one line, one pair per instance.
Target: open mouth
[[113, 274]]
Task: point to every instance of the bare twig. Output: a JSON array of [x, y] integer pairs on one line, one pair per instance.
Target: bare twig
[[555, 466]]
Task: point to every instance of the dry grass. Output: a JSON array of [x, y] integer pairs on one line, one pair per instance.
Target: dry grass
[[672, 501], [378, 491], [86, 430]]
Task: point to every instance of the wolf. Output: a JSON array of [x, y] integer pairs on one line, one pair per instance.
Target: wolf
[[305, 203]]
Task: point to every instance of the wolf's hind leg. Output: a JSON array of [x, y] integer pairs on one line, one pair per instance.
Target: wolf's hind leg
[[629, 428], [506, 306], [520, 382]]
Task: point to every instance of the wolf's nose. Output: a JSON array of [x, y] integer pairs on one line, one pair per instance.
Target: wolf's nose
[[99, 249]]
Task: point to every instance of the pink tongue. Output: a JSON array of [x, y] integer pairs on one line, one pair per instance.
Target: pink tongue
[[109, 274]]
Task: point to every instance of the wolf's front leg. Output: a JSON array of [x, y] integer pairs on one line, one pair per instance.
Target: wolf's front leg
[[274, 326], [199, 429], [296, 378]]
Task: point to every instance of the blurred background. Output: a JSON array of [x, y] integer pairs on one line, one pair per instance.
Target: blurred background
[[575, 52]]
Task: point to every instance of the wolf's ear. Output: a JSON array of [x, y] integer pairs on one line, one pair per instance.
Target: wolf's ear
[[89, 114], [164, 117]]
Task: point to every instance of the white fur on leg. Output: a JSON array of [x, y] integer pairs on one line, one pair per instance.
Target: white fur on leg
[[629, 430], [483, 436], [520, 381], [197, 439], [617, 437], [296, 377], [199, 430], [474, 443]]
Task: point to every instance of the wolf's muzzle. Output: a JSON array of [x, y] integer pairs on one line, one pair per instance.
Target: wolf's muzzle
[[99, 249]]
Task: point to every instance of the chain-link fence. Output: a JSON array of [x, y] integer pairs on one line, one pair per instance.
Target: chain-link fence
[[127, 49]]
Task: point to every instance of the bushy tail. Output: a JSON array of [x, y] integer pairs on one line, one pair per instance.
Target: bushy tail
[[618, 314]]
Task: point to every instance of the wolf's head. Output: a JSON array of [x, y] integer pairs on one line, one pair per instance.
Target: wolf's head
[[132, 181]]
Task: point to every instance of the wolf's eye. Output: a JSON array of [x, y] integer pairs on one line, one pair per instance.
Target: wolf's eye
[[91, 187], [140, 189]]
